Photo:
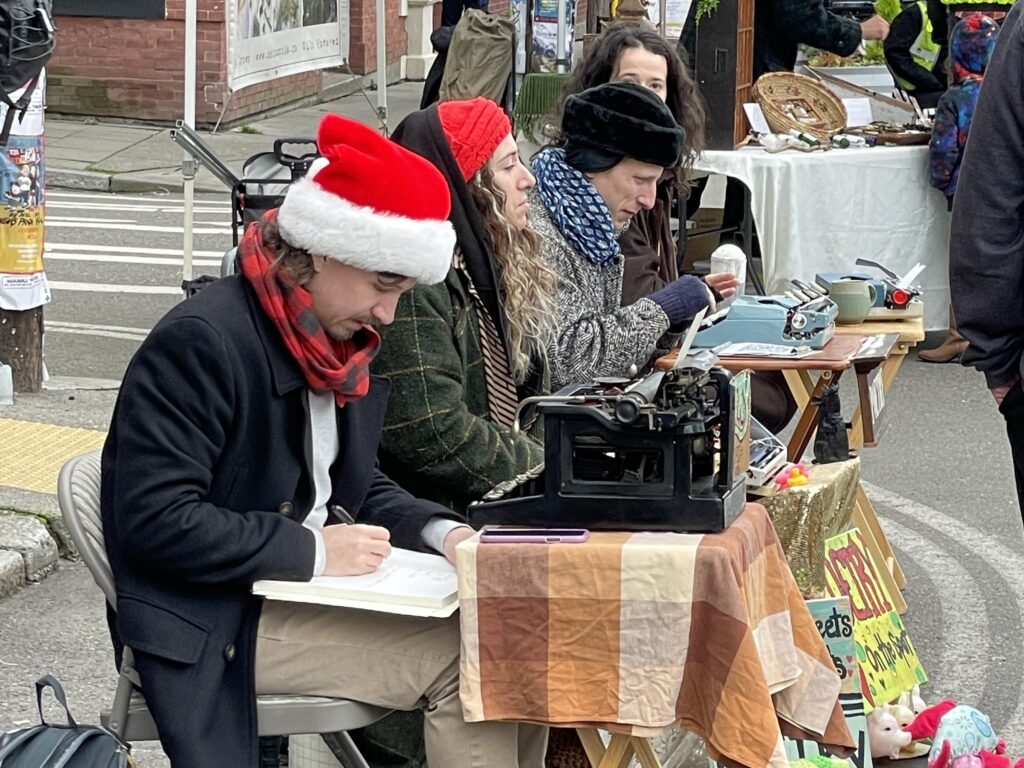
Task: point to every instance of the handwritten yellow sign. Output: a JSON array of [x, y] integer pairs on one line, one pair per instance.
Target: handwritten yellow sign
[[888, 662]]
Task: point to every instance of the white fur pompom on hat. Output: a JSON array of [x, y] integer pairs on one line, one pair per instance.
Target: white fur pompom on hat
[[371, 203]]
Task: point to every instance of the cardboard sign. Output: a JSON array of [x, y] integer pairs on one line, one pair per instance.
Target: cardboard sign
[[834, 620], [888, 662], [740, 384]]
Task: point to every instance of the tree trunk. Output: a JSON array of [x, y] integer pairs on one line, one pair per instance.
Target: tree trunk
[[21, 347]]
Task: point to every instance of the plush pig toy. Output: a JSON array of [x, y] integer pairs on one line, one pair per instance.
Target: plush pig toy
[[885, 735]]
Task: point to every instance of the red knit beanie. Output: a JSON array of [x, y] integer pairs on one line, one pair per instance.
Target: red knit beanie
[[474, 129]]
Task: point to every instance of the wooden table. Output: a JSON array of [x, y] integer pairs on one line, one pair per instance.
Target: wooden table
[[635, 632], [892, 341]]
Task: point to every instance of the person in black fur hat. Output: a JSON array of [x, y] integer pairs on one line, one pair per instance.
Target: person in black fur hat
[[619, 139]]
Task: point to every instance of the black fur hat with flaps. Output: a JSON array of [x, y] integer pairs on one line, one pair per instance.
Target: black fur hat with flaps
[[610, 122]]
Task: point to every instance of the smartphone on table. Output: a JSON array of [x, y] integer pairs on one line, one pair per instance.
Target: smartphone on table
[[496, 534]]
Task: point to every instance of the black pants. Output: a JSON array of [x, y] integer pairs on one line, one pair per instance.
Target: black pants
[[1013, 411]]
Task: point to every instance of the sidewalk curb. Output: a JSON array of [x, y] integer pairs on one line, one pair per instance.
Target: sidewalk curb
[[26, 537], [93, 181]]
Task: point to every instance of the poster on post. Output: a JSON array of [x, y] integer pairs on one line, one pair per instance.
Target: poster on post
[[22, 196], [888, 662], [273, 38], [834, 620], [545, 35]]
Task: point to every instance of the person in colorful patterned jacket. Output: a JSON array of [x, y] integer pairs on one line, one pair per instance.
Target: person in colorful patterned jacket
[[971, 46]]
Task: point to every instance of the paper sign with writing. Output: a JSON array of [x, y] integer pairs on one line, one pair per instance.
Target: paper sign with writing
[[888, 661], [835, 623]]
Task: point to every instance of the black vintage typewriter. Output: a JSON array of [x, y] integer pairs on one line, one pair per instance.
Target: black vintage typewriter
[[655, 453]]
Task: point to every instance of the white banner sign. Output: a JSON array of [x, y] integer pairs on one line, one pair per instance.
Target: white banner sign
[[273, 38]]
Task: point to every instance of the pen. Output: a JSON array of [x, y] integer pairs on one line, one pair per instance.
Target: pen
[[342, 514]]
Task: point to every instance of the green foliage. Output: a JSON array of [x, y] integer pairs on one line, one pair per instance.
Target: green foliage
[[887, 9], [248, 129], [706, 8]]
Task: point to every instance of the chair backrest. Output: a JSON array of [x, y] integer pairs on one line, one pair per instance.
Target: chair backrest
[[78, 494]]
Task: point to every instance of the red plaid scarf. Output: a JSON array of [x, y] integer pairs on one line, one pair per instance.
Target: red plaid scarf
[[342, 367]]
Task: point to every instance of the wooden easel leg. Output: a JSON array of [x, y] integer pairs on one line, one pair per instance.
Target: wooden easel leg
[[881, 562], [869, 517]]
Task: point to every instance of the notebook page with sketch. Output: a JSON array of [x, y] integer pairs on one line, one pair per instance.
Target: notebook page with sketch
[[410, 583]]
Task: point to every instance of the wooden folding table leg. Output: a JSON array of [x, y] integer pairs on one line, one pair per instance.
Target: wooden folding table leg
[[801, 386], [592, 745], [808, 419], [645, 753], [619, 753]]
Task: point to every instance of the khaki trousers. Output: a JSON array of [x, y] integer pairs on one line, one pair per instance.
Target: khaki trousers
[[399, 662]]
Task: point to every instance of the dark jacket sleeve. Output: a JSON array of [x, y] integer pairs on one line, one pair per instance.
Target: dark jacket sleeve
[[173, 419], [648, 251], [902, 34], [808, 22], [392, 507], [986, 254]]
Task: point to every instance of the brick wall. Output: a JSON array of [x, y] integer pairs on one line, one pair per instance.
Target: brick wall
[[134, 69]]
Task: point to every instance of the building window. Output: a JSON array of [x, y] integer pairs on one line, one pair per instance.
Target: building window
[[111, 9]]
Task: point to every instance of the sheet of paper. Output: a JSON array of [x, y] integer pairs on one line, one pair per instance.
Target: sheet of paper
[[406, 578], [858, 112], [756, 118], [757, 349]]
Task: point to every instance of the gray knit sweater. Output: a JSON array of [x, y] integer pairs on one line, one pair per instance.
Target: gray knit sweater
[[596, 336]]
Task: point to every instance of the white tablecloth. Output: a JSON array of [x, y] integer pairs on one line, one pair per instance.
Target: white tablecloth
[[820, 211]]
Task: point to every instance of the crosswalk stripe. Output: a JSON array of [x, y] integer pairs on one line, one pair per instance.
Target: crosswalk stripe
[[61, 285], [156, 261], [134, 227]]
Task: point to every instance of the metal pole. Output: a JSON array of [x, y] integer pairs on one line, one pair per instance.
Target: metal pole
[[382, 65], [188, 165], [560, 54]]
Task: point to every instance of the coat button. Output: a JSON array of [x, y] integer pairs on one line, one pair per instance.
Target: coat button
[[286, 508], [229, 652]]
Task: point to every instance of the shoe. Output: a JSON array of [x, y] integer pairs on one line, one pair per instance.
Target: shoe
[[948, 351]]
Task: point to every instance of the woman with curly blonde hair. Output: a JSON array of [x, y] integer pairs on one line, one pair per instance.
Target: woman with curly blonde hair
[[462, 354]]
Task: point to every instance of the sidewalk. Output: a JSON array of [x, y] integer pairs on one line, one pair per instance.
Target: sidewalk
[[85, 154], [42, 431]]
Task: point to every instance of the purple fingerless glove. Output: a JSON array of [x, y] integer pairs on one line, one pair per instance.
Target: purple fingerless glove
[[681, 300]]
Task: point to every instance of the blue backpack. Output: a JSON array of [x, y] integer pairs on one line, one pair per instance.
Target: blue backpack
[[62, 746]]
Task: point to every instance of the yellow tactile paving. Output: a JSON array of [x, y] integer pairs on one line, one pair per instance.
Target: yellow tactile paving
[[31, 454]]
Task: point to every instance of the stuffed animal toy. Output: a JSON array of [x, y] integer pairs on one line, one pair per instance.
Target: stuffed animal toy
[[885, 737], [962, 737]]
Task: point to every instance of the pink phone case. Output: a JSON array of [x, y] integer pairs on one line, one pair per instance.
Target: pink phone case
[[493, 534]]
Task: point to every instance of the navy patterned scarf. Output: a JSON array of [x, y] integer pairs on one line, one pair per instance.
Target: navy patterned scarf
[[576, 207]]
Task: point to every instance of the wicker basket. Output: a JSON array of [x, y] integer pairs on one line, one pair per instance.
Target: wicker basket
[[791, 101]]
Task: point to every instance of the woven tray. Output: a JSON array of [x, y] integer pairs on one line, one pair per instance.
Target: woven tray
[[796, 102]]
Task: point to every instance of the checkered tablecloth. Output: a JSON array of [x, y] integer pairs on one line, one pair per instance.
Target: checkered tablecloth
[[638, 632]]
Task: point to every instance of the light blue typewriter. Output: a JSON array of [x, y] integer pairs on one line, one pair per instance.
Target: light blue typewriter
[[807, 320]]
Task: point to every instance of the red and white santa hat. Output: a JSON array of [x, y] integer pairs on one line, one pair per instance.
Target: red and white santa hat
[[371, 203]]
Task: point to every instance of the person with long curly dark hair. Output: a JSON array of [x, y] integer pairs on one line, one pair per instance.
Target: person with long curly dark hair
[[635, 52]]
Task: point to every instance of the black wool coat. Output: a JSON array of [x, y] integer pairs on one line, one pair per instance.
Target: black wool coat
[[205, 484]]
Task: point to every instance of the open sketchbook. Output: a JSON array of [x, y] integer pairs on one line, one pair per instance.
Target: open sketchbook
[[410, 583]]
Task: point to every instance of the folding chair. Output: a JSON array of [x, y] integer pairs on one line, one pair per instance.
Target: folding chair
[[78, 494]]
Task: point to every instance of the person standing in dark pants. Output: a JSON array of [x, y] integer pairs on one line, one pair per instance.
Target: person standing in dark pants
[[986, 253]]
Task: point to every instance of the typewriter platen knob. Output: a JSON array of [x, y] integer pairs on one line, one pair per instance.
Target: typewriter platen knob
[[799, 322]]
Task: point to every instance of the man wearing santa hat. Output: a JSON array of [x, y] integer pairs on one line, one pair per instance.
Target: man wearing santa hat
[[245, 423]]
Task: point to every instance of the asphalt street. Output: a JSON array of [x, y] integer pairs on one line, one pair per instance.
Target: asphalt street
[[941, 477]]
